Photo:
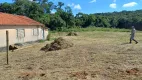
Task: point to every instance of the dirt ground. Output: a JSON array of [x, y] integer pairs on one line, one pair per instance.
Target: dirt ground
[[94, 56]]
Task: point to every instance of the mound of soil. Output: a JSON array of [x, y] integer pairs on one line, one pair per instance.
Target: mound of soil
[[72, 34], [132, 71], [58, 44]]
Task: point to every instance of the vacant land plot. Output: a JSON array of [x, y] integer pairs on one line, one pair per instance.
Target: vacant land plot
[[94, 56]]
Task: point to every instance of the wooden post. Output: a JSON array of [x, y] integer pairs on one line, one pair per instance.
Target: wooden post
[[7, 45]]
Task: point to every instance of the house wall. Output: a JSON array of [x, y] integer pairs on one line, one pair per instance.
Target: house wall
[[28, 34]]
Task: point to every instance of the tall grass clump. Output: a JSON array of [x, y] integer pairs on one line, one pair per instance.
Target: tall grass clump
[[92, 28], [48, 38]]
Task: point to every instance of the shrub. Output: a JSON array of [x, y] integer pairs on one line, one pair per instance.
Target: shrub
[[48, 37]]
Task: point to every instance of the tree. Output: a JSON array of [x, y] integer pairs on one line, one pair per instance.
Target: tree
[[56, 22], [60, 5], [36, 11], [21, 7], [45, 19], [40, 10], [67, 16], [6, 7], [78, 19], [91, 20], [45, 5], [78, 22], [114, 22]]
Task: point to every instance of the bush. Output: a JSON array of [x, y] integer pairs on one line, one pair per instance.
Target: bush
[[93, 28], [48, 37]]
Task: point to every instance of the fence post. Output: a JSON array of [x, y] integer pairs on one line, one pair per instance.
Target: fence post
[[7, 46]]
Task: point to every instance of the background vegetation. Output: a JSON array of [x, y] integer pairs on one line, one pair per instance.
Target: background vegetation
[[63, 19]]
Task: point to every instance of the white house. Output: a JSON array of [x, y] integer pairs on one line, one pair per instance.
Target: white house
[[21, 29]]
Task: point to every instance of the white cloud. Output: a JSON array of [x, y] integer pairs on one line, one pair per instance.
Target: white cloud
[[77, 7], [131, 4], [92, 1], [113, 5]]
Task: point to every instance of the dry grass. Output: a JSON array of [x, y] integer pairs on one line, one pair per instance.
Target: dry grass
[[95, 56]]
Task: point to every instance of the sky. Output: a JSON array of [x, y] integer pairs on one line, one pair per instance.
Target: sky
[[98, 6]]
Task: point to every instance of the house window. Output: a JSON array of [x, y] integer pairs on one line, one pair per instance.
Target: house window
[[20, 33], [35, 32]]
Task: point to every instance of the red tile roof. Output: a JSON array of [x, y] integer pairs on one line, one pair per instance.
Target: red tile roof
[[10, 19]]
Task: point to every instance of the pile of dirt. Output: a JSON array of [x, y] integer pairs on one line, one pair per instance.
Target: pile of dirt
[[58, 44], [132, 71], [72, 34]]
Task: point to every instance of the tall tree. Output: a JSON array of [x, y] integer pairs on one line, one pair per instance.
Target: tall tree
[[67, 16], [6, 7], [21, 7], [56, 22], [36, 11], [60, 5]]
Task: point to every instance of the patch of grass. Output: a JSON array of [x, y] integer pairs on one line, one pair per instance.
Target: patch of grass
[[48, 37], [52, 39], [91, 28], [41, 41]]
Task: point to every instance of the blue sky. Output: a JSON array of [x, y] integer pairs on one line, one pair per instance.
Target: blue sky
[[98, 6]]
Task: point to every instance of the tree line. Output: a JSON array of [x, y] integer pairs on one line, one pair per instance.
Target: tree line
[[63, 18]]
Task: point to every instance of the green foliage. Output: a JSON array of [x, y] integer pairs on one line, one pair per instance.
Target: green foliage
[[35, 12], [60, 5], [56, 22], [45, 19], [41, 41], [124, 19], [22, 7], [63, 18], [49, 36], [92, 28], [6, 7], [67, 16]]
